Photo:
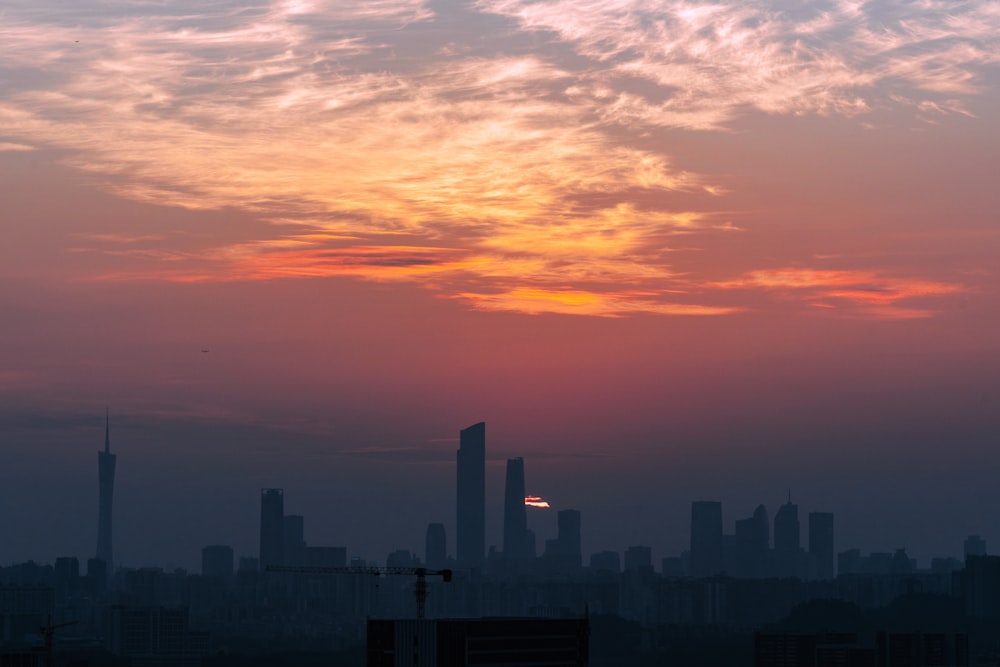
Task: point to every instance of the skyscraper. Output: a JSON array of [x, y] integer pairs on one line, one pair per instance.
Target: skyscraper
[[470, 524], [435, 546], [787, 541], [821, 545], [272, 527], [294, 548], [516, 542], [706, 538], [570, 549], [974, 546], [761, 545], [106, 492]]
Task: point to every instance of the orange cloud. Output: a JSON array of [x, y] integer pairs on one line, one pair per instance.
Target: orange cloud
[[536, 501], [877, 294], [522, 181], [534, 301]]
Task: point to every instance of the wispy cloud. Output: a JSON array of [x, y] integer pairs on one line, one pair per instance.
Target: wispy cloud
[[516, 180], [848, 292], [10, 146], [705, 62]]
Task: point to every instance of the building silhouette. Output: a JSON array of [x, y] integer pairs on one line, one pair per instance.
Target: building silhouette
[[787, 540], [821, 551], [435, 546], [639, 558], [974, 546], [706, 538], [272, 527], [106, 491], [517, 542], [470, 524], [565, 552], [458, 642], [293, 534]]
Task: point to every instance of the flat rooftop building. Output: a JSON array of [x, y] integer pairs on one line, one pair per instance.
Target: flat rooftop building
[[462, 642]]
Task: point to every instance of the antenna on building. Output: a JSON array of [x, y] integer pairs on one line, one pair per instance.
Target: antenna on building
[[107, 429]]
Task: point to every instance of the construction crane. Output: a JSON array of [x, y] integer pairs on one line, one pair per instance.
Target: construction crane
[[421, 573], [48, 632]]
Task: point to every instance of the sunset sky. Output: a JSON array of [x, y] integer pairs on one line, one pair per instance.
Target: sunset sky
[[668, 250]]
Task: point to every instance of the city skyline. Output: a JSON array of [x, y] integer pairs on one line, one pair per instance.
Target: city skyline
[[668, 250], [790, 549]]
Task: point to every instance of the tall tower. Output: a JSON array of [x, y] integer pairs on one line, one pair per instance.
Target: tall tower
[[470, 534], [787, 542], [821, 545], [272, 527], [706, 538], [435, 547], [106, 492], [570, 549], [516, 543]]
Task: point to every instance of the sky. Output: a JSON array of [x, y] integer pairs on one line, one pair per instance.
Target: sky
[[668, 250]]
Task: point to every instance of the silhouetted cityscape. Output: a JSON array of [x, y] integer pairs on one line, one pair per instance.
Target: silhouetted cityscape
[[760, 594]]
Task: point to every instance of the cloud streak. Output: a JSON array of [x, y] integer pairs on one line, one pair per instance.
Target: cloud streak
[[519, 180]]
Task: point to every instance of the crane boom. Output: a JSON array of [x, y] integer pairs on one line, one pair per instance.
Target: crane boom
[[420, 587]]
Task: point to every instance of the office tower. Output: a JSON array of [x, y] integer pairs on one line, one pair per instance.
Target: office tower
[[471, 496], [706, 538], [106, 481], [639, 557], [66, 579], [293, 533], [787, 543], [516, 541], [272, 527], [570, 549], [742, 561], [821, 545], [761, 542], [435, 546], [975, 546], [217, 561]]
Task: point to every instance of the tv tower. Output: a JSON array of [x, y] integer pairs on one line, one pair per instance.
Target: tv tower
[[106, 481]]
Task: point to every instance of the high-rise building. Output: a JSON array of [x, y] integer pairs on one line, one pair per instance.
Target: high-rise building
[[470, 533], [294, 534], [217, 561], [570, 548], [751, 546], [762, 542], [106, 492], [787, 540], [974, 546], [66, 577], [272, 527], [821, 552], [639, 558], [516, 540], [435, 546], [706, 538]]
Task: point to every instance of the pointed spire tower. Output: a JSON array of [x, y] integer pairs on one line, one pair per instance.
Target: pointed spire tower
[[106, 481]]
